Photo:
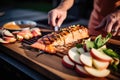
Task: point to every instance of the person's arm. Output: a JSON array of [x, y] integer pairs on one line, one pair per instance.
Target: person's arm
[[58, 15]]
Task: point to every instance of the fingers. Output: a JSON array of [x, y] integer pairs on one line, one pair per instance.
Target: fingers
[[113, 25], [109, 26], [52, 18], [56, 17], [60, 20], [116, 30]]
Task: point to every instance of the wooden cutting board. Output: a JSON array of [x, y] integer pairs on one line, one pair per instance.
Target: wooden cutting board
[[46, 64]]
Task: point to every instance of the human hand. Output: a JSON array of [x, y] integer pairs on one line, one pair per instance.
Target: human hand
[[56, 17], [111, 24]]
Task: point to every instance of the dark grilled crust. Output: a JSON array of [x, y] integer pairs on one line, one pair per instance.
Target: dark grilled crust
[[54, 36], [58, 38]]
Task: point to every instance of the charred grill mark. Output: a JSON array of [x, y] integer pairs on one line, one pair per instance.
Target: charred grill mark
[[51, 38], [55, 36], [64, 33], [60, 37], [43, 40], [57, 41], [46, 40], [68, 30]]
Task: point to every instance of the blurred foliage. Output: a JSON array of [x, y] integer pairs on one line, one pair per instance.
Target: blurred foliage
[[39, 5]]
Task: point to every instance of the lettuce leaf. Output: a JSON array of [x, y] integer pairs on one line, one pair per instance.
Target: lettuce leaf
[[100, 41]]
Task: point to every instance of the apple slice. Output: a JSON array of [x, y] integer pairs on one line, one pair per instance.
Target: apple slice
[[80, 50], [79, 69], [102, 48], [35, 32], [26, 34], [19, 37], [100, 55], [3, 41], [97, 73], [67, 62], [100, 64], [15, 32], [74, 55], [23, 35], [7, 33], [86, 59], [10, 39]]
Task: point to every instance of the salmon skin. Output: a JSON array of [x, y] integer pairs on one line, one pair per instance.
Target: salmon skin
[[71, 34]]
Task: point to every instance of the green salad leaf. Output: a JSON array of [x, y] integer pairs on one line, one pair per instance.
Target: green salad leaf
[[100, 41], [90, 44], [79, 45], [113, 67], [111, 53]]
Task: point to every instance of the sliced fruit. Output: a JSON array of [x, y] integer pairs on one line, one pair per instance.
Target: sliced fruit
[[19, 38], [79, 69], [80, 50], [7, 33], [97, 73], [26, 36], [15, 32], [100, 55], [101, 48], [27, 33], [3, 41], [86, 59], [74, 55], [35, 32], [23, 35], [10, 39], [100, 64], [67, 62]]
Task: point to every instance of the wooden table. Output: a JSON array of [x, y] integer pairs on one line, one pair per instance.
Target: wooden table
[[46, 64]]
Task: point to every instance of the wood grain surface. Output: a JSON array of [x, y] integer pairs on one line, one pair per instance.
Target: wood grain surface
[[46, 64]]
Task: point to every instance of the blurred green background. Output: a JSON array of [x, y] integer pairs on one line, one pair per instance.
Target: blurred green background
[[39, 5], [80, 11], [81, 8]]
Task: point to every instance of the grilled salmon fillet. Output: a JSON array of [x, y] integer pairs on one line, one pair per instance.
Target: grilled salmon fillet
[[65, 36]]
